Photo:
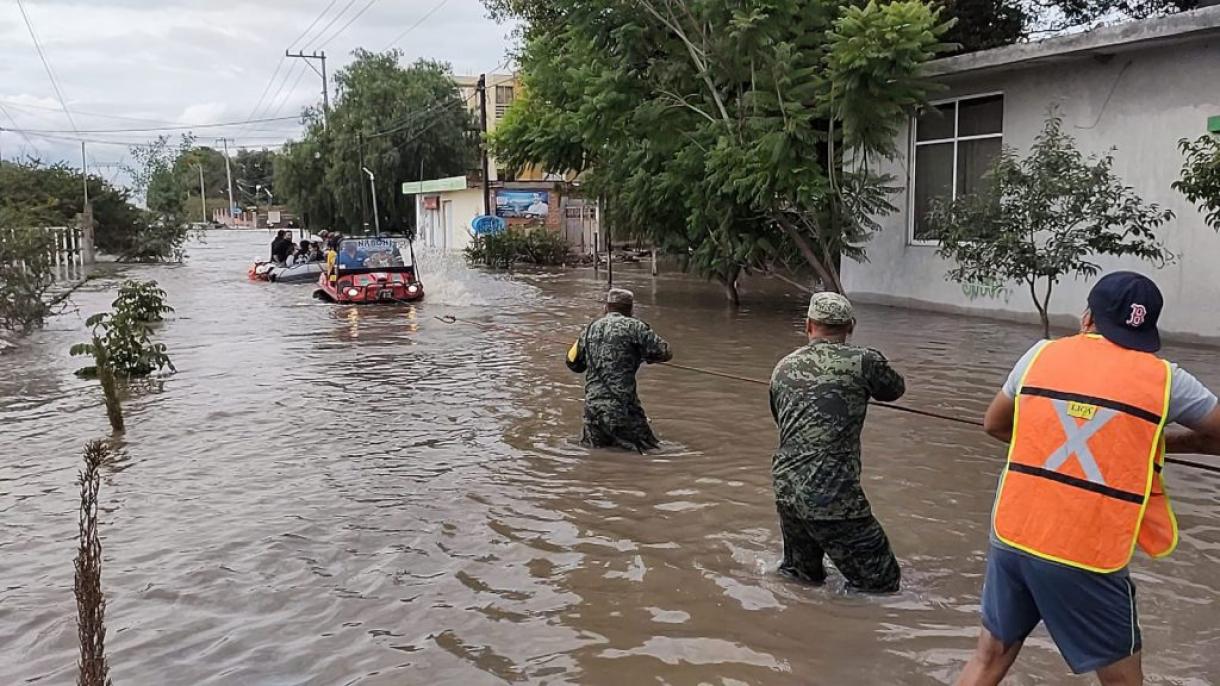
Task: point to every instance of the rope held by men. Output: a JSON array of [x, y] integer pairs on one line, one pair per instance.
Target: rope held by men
[[450, 319]]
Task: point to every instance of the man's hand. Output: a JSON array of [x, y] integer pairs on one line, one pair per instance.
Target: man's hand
[[1202, 438], [998, 420]]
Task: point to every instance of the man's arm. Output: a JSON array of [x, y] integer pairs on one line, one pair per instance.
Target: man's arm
[[884, 383], [653, 347], [998, 420], [1203, 438]]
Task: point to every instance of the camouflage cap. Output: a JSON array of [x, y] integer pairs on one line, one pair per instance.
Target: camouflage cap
[[830, 308], [620, 296]]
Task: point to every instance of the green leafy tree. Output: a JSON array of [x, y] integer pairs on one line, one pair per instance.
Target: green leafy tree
[[742, 136], [122, 340], [1200, 178], [1045, 217], [409, 122], [27, 273]]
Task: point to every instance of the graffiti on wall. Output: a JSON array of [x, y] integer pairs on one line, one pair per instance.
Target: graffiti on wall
[[991, 289]]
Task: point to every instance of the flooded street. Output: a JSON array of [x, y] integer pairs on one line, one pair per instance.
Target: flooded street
[[337, 495]]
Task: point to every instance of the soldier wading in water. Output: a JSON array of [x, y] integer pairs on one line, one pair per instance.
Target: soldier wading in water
[[819, 398], [608, 353]]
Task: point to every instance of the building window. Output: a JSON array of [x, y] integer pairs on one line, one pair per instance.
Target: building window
[[956, 143], [504, 98]]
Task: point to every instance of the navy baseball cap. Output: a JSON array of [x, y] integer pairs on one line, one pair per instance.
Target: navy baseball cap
[[1126, 307]]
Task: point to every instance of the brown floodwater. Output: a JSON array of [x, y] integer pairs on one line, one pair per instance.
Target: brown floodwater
[[332, 495]]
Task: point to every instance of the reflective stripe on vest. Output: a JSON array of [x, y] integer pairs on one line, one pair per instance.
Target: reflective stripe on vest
[[1082, 483]]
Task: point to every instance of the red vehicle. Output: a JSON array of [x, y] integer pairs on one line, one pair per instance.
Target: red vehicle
[[370, 270]]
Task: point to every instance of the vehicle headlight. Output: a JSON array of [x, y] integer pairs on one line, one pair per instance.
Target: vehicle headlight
[[353, 292], [413, 288]]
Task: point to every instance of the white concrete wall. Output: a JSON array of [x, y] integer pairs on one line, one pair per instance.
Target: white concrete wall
[[1141, 102], [435, 231]]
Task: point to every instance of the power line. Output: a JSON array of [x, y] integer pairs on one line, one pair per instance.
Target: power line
[[349, 23], [23, 134], [46, 65], [312, 24], [288, 95], [180, 127], [312, 44], [416, 25]]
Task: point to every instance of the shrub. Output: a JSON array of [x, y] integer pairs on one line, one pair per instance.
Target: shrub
[[502, 250]]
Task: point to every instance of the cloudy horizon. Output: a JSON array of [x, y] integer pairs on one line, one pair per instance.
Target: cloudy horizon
[[136, 64]]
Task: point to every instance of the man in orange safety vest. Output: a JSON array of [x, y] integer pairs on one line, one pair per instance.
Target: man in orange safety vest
[[1085, 420]]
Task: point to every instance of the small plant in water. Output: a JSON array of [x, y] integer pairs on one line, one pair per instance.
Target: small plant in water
[[122, 344], [90, 602]]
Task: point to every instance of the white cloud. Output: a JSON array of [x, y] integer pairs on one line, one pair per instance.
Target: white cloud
[[195, 61]]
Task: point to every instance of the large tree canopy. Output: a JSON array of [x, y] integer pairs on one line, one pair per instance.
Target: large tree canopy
[[410, 123], [740, 135]]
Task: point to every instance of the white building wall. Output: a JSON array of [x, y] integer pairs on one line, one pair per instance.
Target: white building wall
[[1141, 102], [448, 226]]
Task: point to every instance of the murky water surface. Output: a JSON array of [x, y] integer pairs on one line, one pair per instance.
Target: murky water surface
[[333, 495]]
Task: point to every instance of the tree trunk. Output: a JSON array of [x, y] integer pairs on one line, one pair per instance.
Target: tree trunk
[[1042, 313], [730, 286], [826, 273]]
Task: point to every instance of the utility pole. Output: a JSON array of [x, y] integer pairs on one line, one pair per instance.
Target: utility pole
[[364, 209], [84, 172], [87, 256], [482, 90], [203, 201], [373, 190], [229, 176], [321, 57]]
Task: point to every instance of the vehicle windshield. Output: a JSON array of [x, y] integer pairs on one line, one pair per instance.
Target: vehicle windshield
[[369, 253]]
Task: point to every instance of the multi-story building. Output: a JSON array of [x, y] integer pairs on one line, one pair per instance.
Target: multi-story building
[[502, 90]]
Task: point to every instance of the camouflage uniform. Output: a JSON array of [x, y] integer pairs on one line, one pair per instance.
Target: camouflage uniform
[[819, 398], [609, 352]]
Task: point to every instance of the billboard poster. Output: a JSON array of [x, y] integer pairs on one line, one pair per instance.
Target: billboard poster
[[522, 204]]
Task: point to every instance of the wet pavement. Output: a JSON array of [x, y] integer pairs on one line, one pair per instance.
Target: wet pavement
[[338, 495]]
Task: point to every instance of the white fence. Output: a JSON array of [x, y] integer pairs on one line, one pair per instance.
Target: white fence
[[67, 252]]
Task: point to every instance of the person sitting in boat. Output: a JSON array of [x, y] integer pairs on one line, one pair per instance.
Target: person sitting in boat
[[350, 257]]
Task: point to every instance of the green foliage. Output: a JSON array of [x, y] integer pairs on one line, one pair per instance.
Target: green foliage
[[739, 135], [122, 341], [1200, 178], [52, 196], [27, 273], [143, 301], [1046, 217], [412, 124], [504, 249]]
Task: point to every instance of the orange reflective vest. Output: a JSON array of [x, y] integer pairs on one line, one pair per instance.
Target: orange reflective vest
[[1083, 481]]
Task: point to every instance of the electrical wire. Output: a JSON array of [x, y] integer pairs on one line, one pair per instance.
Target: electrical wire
[[416, 25], [288, 94], [313, 24], [450, 319], [181, 127], [312, 43], [46, 64], [21, 133], [349, 23]]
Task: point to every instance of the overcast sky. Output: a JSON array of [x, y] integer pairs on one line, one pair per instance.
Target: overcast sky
[[145, 63]]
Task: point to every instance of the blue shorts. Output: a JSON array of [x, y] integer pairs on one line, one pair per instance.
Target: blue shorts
[[1091, 617]]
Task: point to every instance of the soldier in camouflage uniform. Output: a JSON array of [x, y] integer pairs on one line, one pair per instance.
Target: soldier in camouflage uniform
[[819, 397], [608, 353]]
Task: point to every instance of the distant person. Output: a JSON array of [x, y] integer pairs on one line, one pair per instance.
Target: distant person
[[350, 257], [608, 353], [1084, 417], [281, 247], [538, 206], [819, 399]]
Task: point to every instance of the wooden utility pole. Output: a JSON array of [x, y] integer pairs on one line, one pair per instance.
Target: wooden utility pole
[[321, 57], [86, 229], [482, 90]]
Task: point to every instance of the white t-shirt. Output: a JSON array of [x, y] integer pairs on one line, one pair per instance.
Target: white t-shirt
[[1189, 400]]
